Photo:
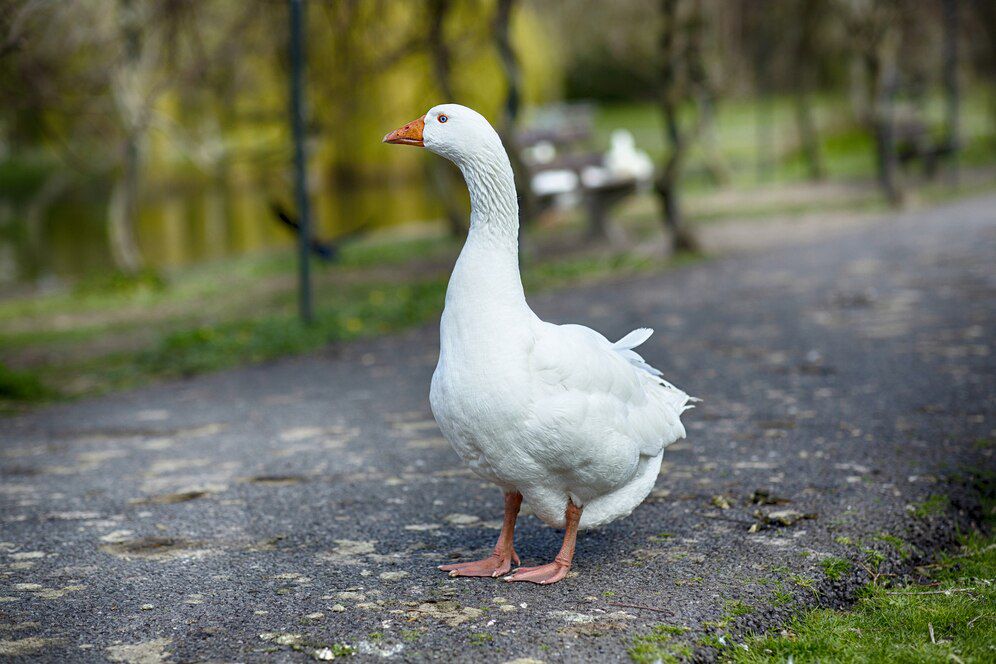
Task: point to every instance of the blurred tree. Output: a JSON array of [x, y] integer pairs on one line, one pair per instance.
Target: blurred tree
[[705, 93], [812, 14], [611, 48], [984, 17], [512, 106], [131, 89], [443, 175], [675, 89], [874, 29], [14, 17], [763, 42], [952, 87]]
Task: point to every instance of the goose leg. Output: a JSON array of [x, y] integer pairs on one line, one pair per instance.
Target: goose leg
[[557, 570], [499, 562]]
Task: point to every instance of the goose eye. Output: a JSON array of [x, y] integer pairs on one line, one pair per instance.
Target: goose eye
[[443, 118]]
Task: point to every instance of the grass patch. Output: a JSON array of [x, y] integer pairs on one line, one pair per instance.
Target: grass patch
[[904, 548], [951, 619], [835, 568], [660, 645], [366, 310], [934, 505], [806, 583], [734, 608]]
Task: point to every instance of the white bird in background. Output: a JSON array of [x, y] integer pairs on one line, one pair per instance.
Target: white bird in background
[[624, 160], [557, 416]]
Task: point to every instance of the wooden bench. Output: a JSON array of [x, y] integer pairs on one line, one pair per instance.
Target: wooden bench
[[566, 169]]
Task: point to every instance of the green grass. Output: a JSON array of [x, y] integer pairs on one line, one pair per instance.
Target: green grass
[[835, 568], [361, 311], [904, 548], [410, 635], [932, 506], [662, 644], [806, 583], [948, 616], [735, 608], [894, 624]]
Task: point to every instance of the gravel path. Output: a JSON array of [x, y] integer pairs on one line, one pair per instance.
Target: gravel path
[[289, 510]]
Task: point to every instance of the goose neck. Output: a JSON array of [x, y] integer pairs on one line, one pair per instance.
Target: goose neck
[[494, 209]]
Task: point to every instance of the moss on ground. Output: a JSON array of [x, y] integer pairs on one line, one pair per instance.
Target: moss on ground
[[932, 506], [663, 644], [951, 617], [948, 616], [835, 568]]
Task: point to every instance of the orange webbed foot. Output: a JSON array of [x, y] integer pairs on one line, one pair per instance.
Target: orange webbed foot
[[495, 565], [543, 575]]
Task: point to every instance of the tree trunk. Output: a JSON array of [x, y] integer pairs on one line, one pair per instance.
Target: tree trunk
[[668, 181], [705, 98], [682, 239], [884, 77], [444, 177], [513, 101], [122, 215], [805, 54], [952, 90], [761, 63], [808, 136], [984, 16]]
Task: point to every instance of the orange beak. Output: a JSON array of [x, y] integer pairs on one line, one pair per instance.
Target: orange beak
[[410, 134]]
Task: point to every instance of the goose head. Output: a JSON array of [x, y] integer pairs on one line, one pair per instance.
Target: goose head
[[455, 132], [463, 136]]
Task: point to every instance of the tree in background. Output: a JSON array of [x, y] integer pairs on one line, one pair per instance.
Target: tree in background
[[133, 89], [443, 175], [705, 93], [952, 88], [99, 90], [764, 40], [807, 48], [136, 118], [875, 34], [676, 89], [512, 106]]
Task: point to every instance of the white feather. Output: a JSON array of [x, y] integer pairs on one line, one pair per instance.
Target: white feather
[[557, 412]]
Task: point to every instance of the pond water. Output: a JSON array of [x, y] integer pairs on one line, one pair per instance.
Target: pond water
[[189, 223]]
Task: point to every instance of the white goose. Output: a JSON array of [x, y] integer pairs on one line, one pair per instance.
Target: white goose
[[556, 415]]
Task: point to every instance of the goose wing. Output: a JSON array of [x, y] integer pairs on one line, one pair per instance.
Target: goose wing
[[596, 389]]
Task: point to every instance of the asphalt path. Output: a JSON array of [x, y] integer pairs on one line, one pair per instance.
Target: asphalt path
[[299, 509]]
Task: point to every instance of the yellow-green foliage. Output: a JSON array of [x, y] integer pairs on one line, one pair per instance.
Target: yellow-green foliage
[[210, 86]]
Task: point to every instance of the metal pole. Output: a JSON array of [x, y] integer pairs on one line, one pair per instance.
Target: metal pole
[[300, 161]]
